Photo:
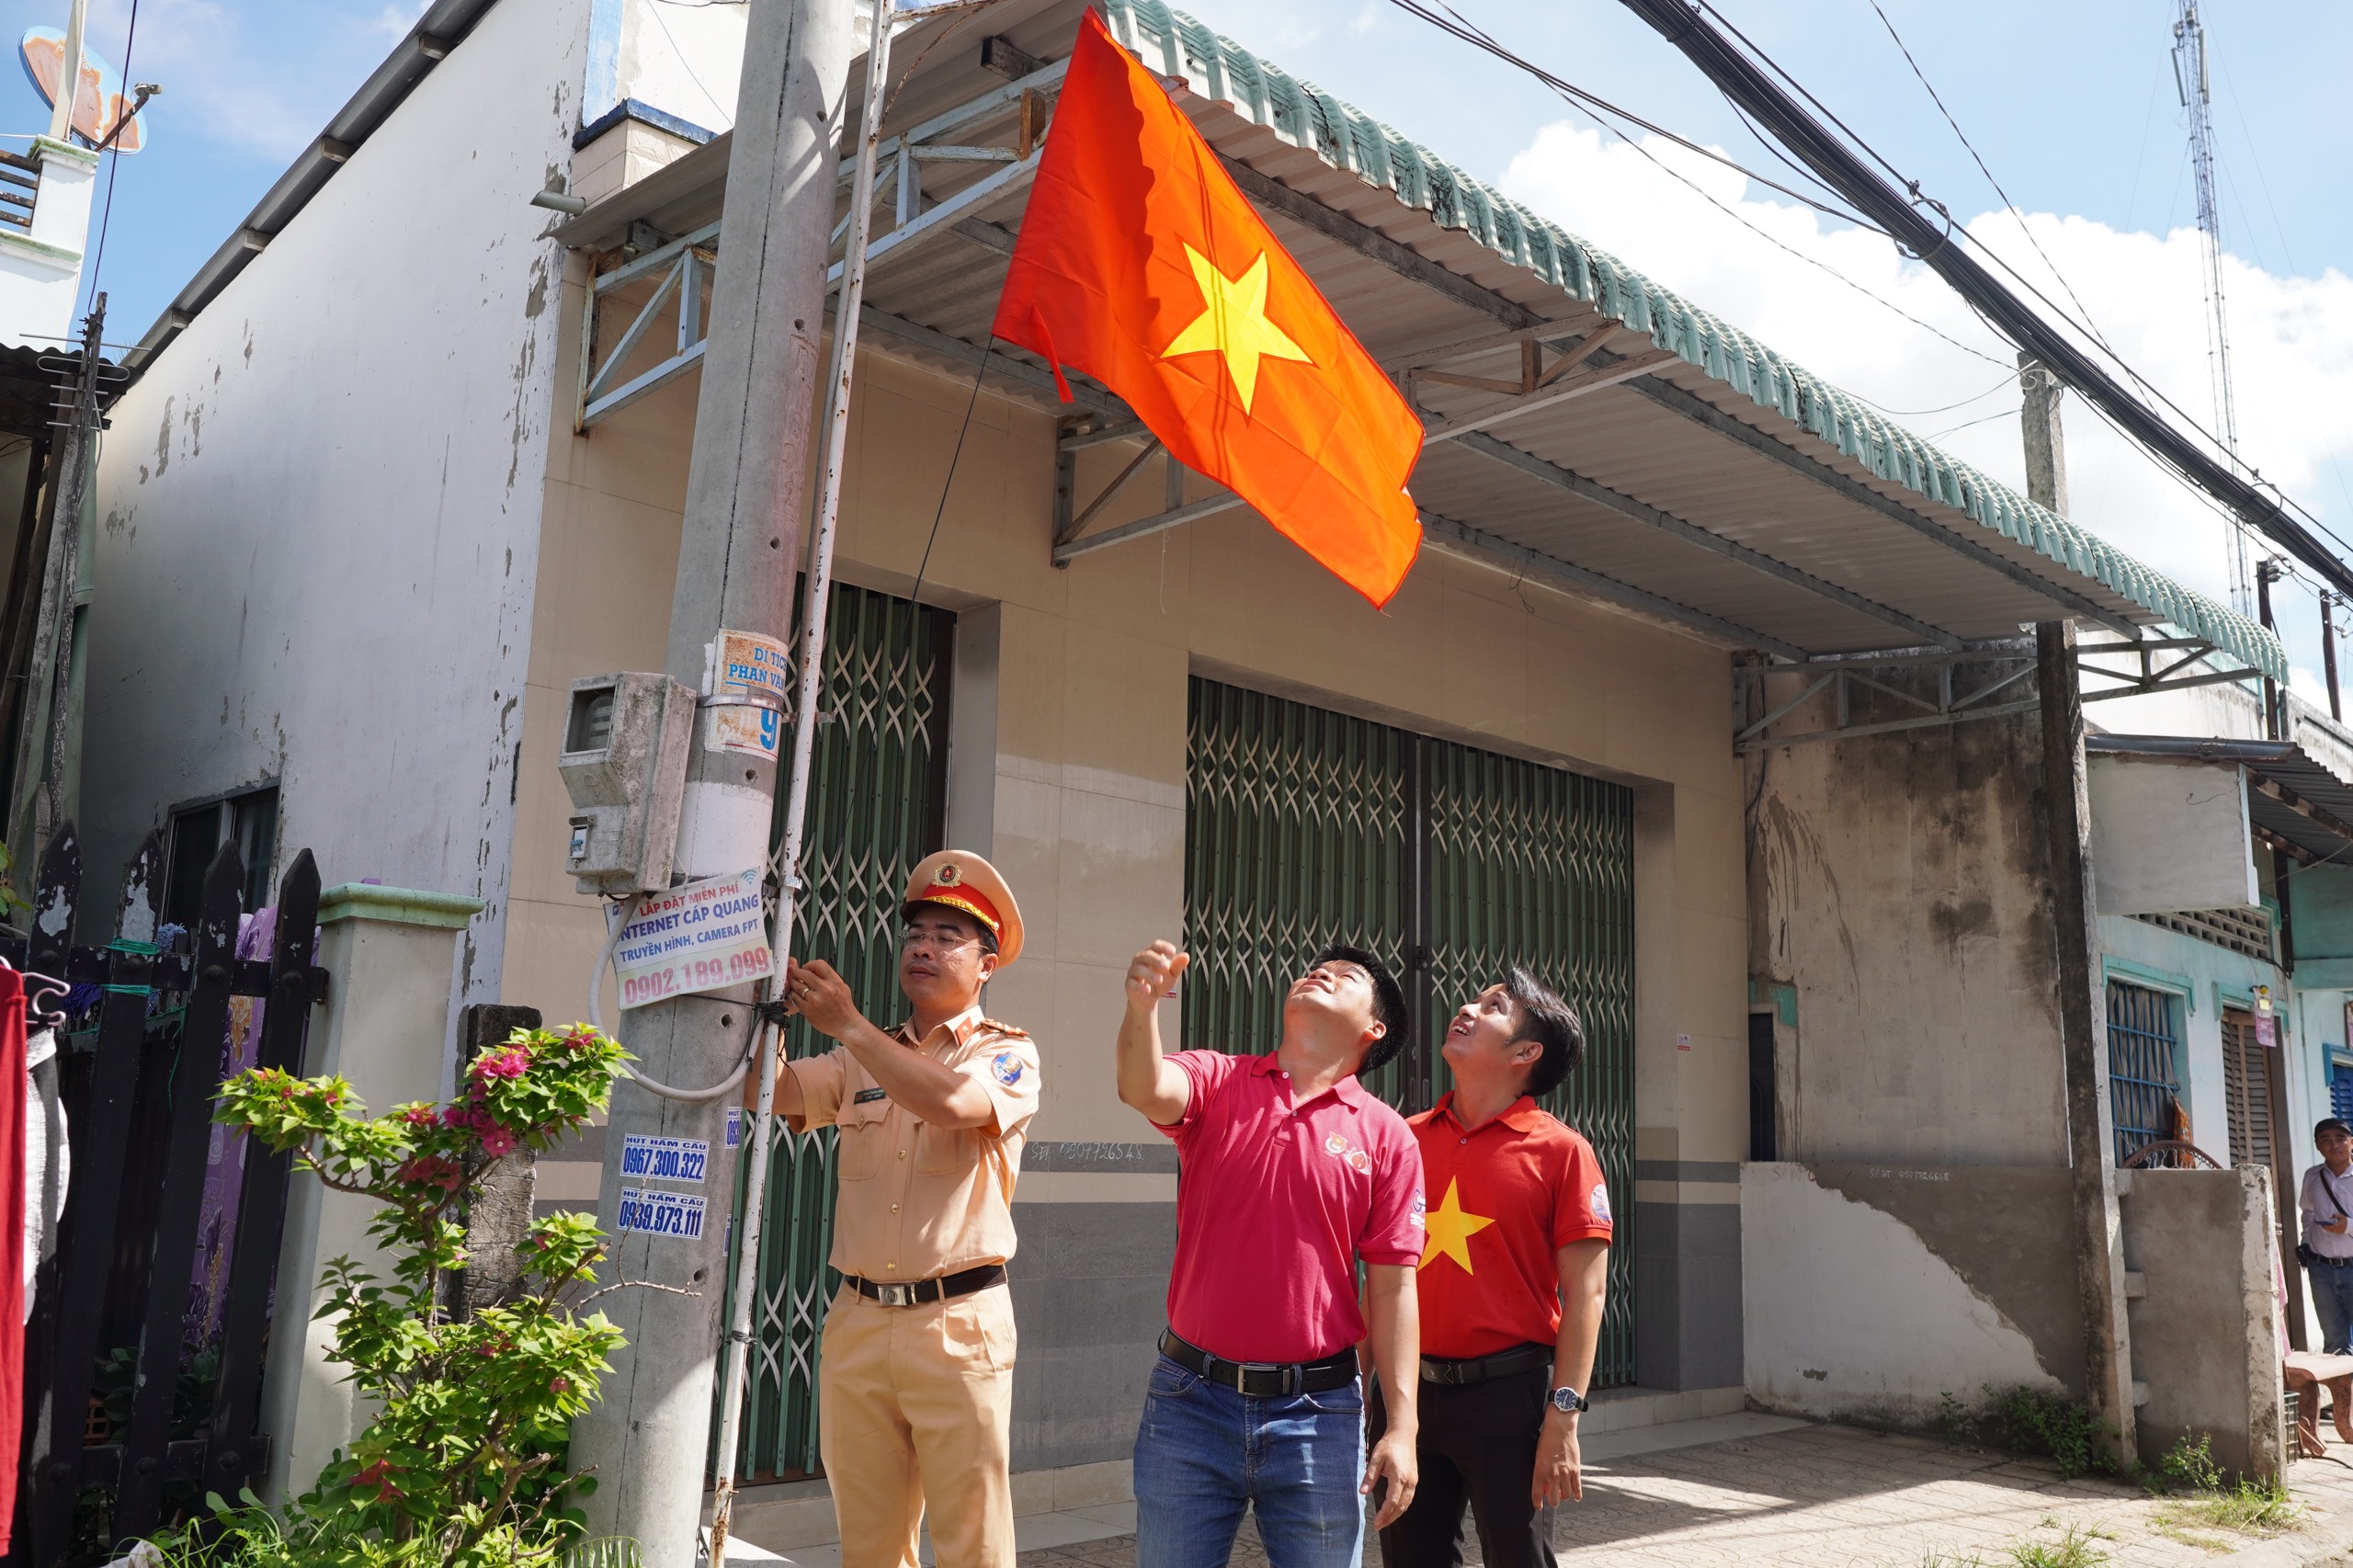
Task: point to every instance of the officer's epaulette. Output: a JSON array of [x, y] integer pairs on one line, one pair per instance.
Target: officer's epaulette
[[1004, 1029]]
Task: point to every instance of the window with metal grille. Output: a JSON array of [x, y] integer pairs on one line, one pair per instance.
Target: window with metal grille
[[2143, 1078], [877, 805], [1305, 826], [2340, 1090]]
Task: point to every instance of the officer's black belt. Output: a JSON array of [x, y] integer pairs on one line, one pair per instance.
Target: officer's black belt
[[923, 1292], [1262, 1379], [1486, 1368]]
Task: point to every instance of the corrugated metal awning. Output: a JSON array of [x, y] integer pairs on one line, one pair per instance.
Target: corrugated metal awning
[[1583, 419]]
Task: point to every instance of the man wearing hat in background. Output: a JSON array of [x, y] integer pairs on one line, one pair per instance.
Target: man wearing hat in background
[[916, 1376]]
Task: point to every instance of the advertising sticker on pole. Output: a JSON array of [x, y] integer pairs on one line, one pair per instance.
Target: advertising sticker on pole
[[745, 662], [702, 937]]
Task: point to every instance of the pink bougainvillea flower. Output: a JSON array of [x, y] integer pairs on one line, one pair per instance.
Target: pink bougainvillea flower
[[497, 1143], [511, 1062], [380, 1477]]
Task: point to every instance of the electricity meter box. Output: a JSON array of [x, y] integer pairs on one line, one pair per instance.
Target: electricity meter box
[[625, 751]]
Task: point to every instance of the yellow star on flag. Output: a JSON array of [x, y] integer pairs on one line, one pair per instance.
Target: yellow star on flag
[[1451, 1230], [1233, 323]]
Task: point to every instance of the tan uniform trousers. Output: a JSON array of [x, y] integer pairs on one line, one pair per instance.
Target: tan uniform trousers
[[915, 1415]]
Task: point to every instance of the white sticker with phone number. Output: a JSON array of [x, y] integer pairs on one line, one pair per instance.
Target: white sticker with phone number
[[665, 1159], [657, 1213]]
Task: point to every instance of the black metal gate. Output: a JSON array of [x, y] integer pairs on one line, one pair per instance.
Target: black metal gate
[[145, 1354]]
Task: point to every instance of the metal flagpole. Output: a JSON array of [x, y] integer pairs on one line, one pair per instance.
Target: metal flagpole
[[737, 1347]]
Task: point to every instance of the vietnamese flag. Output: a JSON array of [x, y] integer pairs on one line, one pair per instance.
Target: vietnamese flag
[[1141, 263]]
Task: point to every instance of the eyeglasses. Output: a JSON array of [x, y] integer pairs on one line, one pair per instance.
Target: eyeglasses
[[914, 938]]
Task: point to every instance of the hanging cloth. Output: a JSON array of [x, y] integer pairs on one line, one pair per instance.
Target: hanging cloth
[[48, 1158], [12, 1237]]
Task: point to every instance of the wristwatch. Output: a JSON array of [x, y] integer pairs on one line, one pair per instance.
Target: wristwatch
[[1568, 1402]]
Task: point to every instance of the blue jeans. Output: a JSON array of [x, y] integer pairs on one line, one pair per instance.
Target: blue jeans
[[1203, 1452], [2332, 1300]]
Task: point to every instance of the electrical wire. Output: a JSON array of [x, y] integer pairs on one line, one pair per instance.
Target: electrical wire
[[1598, 107], [2254, 477], [1577, 98], [1922, 413], [105, 215], [2009, 206], [1954, 429]]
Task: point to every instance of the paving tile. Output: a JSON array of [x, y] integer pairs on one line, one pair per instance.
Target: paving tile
[[1822, 1496]]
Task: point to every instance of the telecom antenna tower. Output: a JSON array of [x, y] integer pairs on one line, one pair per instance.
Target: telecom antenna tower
[[2190, 80]]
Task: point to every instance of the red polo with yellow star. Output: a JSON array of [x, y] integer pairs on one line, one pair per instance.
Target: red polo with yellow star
[[1504, 1200]]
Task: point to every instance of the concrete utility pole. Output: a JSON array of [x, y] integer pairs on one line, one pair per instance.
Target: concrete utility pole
[[2275, 718], [2083, 1031], [2046, 444], [740, 546], [2328, 603]]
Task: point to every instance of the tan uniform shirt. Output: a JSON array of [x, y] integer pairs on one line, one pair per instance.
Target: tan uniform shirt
[[918, 1201]]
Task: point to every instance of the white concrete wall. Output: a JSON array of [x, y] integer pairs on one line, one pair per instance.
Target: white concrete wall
[[2169, 835], [1848, 1312], [320, 506], [40, 270], [684, 60]]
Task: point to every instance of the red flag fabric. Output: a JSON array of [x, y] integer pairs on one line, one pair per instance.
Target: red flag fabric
[[1141, 263]]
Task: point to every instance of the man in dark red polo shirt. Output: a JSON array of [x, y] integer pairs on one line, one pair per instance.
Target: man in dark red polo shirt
[[1289, 1171], [1511, 1284]]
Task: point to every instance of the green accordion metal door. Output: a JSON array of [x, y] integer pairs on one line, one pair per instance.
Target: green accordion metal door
[[1305, 826], [1535, 865], [876, 801]]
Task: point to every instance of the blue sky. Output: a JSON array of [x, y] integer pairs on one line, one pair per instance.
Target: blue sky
[[2071, 104]]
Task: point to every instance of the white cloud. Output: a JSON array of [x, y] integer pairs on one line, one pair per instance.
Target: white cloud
[[262, 79], [2291, 338]]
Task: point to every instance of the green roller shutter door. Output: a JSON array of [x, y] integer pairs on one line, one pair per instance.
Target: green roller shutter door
[[1305, 826]]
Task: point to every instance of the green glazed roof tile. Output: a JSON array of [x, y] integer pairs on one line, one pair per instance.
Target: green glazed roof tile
[[1264, 94]]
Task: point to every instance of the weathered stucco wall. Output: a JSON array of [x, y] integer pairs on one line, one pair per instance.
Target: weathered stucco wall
[[320, 508], [1899, 882], [2203, 1339], [1882, 1291]]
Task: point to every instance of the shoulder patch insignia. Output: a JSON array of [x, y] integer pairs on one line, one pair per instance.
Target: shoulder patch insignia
[[1600, 1202], [1005, 1068]]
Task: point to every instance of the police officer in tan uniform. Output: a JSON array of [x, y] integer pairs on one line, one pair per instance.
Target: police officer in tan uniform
[[915, 1377]]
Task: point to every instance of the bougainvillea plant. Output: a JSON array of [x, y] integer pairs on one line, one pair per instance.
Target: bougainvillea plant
[[463, 1464]]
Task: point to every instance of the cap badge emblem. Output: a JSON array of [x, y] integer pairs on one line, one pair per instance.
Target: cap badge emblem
[[945, 876]]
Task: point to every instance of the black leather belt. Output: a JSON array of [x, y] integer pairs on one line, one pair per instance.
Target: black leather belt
[[922, 1292], [1484, 1368], [2332, 1262], [1262, 1379]]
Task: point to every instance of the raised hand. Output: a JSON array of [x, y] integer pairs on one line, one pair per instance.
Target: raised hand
[[1154, 970]]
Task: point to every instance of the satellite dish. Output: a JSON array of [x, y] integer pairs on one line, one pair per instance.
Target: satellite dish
[[99, 106]]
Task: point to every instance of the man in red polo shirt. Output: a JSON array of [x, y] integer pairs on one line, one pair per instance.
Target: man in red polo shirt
[[1289, 1171], [1511, 1283]]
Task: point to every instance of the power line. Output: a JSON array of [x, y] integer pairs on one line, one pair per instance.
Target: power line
[[2008, 205], [105, 215], [1922, 413], [1577, 98], [1598, 107]]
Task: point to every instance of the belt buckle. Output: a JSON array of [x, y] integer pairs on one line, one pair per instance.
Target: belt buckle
[[895, 1295]]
